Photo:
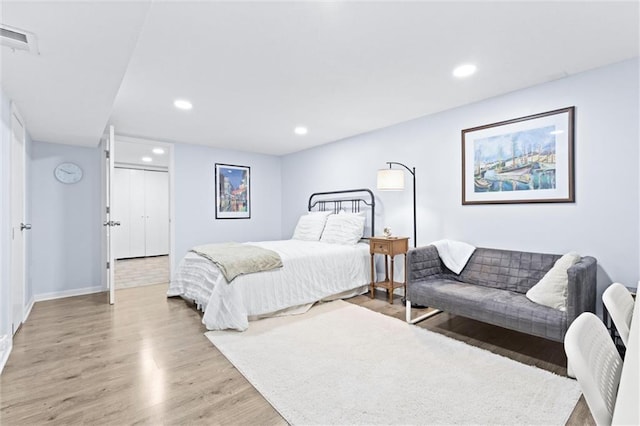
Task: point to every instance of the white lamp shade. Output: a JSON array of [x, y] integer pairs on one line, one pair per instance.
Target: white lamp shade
[[390, 180]]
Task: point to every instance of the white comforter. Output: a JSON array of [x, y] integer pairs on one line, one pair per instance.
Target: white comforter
[[312, 271]]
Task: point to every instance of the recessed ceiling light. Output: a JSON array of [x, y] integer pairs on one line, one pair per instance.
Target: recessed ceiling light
[[182, 104], [300, 130], [158, 151], [147, 159], [464, 70]]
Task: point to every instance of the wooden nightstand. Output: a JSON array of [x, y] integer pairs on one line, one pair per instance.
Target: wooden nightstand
[[389, 246]]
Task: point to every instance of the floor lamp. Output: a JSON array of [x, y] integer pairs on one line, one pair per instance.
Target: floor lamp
[[393, 180]]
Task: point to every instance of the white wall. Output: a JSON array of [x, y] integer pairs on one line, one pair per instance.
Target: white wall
[[66, 234], [603, 222], [195, 220]]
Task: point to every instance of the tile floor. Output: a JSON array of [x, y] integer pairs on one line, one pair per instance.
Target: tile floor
[[142, 271]]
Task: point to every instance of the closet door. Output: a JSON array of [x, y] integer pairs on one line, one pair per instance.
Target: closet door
[[156, 212], [138, 215], [121, 211]]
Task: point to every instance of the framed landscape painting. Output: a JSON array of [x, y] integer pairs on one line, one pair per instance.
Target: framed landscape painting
[[233, 191], [524, 160]]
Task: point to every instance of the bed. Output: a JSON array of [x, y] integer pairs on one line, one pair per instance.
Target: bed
[[318, 264]]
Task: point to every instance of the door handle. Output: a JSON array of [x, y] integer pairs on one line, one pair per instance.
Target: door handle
[[24, 226]]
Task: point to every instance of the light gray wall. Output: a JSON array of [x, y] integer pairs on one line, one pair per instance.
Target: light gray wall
[[66, 234], [603, 222], [5, 213], [195, 221], [65, 246]]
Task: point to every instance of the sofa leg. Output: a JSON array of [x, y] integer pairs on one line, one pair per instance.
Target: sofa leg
[[421, 317], [570, 372]]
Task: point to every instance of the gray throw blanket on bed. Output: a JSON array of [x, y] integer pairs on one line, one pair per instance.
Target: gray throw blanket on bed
[[235, 259]]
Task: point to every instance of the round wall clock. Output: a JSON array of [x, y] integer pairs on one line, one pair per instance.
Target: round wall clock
[[68, 173]]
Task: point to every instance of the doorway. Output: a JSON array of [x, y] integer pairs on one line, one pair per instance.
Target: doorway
[[141, 206]]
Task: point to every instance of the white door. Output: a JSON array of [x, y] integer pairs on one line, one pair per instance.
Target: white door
[[122, 210], [137, 214], [18, 225], [109, 222], [156, 213], [141, 205]]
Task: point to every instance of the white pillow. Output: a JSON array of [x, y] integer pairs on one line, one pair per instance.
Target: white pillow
[[310, 226], [344, 228], [551, 290]]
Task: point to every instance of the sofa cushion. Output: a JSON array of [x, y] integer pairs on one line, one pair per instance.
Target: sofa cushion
[[506, 269], [423, 263], [499, 307]]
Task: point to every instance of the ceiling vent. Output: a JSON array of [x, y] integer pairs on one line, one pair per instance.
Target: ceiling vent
[[18, 39]]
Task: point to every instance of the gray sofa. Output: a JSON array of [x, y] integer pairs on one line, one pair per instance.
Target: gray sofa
[[492, 286]]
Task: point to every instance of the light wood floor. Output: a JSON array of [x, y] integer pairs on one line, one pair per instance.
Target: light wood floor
[[146, 361], [141, 271]]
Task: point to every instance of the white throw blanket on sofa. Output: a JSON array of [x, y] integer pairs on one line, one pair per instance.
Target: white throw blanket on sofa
[[454, 254]]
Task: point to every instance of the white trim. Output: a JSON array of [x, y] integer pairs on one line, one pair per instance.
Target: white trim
[[111, 280], [6, 344], [121, 165], [133, 139], [28, 309], [5, 239], [68, 293], [172, 187], [103, 217], [171, 170]]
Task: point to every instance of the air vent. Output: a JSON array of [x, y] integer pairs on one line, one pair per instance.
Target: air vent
[[18, 39], [13, 35]]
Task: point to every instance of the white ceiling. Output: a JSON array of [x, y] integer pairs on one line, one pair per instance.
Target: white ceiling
[[66, 94], [130, 151], [255, 70]]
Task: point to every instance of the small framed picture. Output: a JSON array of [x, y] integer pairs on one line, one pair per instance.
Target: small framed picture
[[524, 160], [233, 191]]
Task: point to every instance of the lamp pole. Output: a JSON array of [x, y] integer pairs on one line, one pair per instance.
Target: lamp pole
[[413, 173]]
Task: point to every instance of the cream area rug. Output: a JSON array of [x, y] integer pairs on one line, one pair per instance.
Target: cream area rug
[[344, 364]]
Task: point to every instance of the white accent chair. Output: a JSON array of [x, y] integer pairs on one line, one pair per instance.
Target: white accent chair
[[619, 304], [595, 363]]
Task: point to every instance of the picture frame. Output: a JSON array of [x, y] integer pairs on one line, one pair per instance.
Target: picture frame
[[233, 191], [523, 160]]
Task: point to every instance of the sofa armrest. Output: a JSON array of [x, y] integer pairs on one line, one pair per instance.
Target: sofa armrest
[[581, 292], [422, 262]]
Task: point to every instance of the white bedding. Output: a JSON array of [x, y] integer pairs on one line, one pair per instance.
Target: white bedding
[[312, 271]]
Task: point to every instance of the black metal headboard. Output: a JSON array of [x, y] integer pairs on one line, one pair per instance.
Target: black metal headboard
[[349, 200]]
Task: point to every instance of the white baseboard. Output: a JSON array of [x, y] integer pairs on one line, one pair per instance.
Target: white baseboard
[[27, 311], [68, 293], [6, 344]]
